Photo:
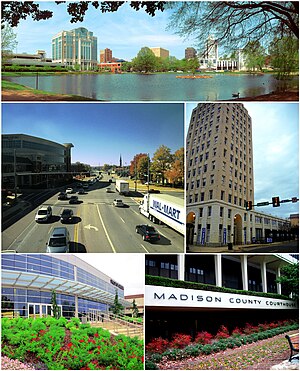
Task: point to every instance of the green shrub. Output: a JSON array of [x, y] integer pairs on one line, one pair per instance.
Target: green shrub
[[207, 349], [192, 351], [173, 354], [150, 365], [156, 358]]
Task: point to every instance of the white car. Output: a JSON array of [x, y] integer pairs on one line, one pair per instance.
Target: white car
[[43, 214], [118, 202], [69, 190]]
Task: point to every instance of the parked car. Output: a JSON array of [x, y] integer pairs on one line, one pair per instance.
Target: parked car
[[118, 202], [43, 214], [59, 240], [108, 190], [66, 215], [148, 232], [69, 190], [81, 191], [85, 185], [73, 200], [62, 196]]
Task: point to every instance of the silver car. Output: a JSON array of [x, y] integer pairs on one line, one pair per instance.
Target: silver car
[[43, 214], [59, 240]]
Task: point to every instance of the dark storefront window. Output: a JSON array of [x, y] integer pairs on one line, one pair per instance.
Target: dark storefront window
[[162, 266]]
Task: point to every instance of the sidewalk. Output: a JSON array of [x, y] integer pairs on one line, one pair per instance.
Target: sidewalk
[[224, 249]]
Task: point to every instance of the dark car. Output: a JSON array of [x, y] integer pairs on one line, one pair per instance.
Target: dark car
[[73, 200], [81, 191], [148, 232], [62, 196], [66, 215], [152, 190]]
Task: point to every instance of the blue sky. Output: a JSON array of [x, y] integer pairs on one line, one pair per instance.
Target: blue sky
[[100, 132], [125, 32], [275, 134]]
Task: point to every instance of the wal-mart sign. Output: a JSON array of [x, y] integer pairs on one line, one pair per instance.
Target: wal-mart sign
[[160, 296]]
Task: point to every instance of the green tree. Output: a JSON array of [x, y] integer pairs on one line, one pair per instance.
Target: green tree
[[193, 64], [255, 55], [145, 61], [142, 167], [54, 307], [8, 43], [135, 309], [285, 56], [161, 162], [117, 307], [234, 23], [290, 279]]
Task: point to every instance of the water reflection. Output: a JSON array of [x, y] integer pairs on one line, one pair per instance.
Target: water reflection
[[158, 87]]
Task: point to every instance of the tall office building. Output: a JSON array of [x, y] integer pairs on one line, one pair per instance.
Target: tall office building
[[190, 53], [219, 179], [161, 52], [74, 48], [106, 56]]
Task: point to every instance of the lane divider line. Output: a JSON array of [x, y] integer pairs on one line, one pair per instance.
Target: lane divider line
[[105, 231], [144, 248]]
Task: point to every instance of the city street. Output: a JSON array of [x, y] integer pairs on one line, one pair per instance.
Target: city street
[[97, 226]]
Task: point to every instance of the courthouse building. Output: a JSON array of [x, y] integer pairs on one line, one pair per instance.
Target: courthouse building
[[200, 292], [220, 179]]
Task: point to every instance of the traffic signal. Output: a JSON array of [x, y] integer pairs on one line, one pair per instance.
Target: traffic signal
[[275, 201], [248, 205]]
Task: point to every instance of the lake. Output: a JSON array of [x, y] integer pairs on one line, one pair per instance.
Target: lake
[[156, 87]]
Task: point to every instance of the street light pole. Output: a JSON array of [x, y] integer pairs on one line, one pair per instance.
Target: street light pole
[[148, 175]]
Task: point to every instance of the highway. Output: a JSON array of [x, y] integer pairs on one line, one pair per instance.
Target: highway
[[97, 226]]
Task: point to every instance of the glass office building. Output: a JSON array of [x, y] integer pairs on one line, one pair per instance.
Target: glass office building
[[28, 281], [32, 161], [73, 48]]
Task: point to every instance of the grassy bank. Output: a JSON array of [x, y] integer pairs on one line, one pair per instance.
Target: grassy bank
[[14, 92]]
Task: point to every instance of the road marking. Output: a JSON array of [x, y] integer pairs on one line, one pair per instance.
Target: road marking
[[144, 247], [33, 223], [136, 212], [123, 220], [105, 230], [76, 228], [91, 227]]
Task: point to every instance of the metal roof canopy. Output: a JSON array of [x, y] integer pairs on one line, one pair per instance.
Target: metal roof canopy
[[38, 281]]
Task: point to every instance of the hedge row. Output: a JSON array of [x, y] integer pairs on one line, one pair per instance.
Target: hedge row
[[194, 350], [169, 282]]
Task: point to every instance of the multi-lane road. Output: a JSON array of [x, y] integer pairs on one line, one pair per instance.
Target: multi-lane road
[[97, 226]]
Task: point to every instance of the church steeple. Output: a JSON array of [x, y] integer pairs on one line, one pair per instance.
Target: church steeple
[[120, 160]]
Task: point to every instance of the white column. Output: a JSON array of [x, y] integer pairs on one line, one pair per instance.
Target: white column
[[244, 266], [76, 306], [263, 268], [278, 284], [180, 262], [218, 269]]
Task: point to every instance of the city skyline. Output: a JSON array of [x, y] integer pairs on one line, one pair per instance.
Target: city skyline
[[141, 30], [100, 132], [275, 140]]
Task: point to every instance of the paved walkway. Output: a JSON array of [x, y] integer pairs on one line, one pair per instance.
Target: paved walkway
[[223, 249]]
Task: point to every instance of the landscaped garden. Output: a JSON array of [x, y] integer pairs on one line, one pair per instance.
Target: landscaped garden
[[183, 352], [59, 344]]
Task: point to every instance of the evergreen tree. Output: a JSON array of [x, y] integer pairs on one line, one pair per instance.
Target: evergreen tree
[[135, 310], [55, 308]]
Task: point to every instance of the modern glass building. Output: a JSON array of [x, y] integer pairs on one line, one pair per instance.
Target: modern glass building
[[32, 161], [77, 47], [28, 281]]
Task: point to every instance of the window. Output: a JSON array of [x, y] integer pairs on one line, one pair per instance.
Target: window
[[221, 211], [209, 211]]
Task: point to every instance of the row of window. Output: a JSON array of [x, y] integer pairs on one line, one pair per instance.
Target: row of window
[[193, 198]]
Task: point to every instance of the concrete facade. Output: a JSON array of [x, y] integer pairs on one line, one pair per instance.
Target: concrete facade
[[219, 179], [160, 52]]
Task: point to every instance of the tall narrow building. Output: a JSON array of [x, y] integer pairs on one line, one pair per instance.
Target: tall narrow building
[[219, 178], [76, 48]]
